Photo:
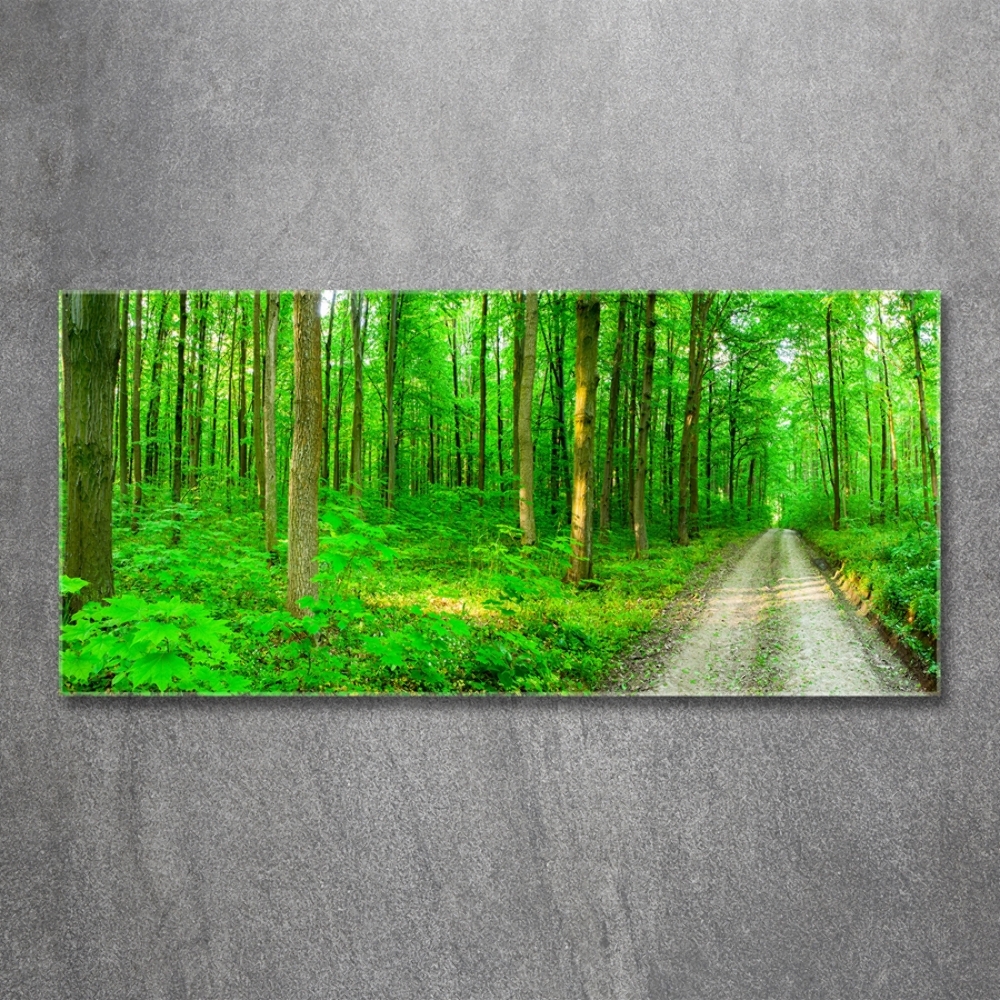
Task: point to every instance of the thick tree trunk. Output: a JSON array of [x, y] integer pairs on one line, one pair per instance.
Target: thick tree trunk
[[835, 459], [270, 441], [307, 453], [588, 321], [604, 523], [642, 456], [526, 447], [91, 347]]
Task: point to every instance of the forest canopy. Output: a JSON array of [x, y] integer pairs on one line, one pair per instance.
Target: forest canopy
[[460, 492]]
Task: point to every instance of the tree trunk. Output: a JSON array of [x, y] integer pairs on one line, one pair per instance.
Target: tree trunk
[[890, 419], [91, 343], [925, 429], [270, 441], [481, 478], [642, 456], [609, 447], [258, 409], [687, 486], [500, 468], [179, 410], [395, 307], [835, 459], [307, 453], [588, 321], [123, 401], [241, 415], [137, 416], [526, 448], [518, 369], [458, 421], [357, 420], [197, 423], [338, 418], [153, 413]]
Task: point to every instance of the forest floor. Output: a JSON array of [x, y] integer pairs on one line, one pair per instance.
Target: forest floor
[[767, 622]]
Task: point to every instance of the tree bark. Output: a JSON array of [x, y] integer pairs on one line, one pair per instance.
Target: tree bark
[[395, 306], [179, 409], [91, 343], [357, 421], [481, 477], [258, 409], [925, 430], [307, 452], [270, 441], [526, 448], [153, 413], [136, 415], [518, 369], [642, 453], [609, 449], [687, 486], [588, 320], [123, 401], [458, 422], [835, 458]]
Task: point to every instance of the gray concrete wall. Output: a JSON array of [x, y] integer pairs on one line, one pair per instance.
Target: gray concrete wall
[[499, 848]]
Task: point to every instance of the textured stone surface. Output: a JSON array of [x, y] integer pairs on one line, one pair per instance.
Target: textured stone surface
[[499, 848]]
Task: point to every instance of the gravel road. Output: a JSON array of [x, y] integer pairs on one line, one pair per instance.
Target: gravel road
[[774, 627]]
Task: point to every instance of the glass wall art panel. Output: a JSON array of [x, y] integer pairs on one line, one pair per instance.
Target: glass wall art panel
[[527, 492]]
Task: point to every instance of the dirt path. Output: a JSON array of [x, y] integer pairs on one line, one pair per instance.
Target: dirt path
[[773, 626]]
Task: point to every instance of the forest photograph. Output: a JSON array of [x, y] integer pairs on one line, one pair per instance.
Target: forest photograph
[[499, 492]]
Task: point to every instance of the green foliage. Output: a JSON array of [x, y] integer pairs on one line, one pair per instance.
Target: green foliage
[[128, 644]]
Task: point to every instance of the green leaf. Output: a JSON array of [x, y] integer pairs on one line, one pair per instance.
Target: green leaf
[[159, 668], [71, 584]]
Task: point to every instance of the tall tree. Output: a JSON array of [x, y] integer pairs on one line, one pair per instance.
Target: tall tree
[[835, 457], [270, 440], [525, 446], [642, 457], [91, 343], [123, 401], [258, 408], [481, 478], [307, 452], [391, 347], [699, 349], [357, 423], [153, 412], [927, 441], [588, 322], [179, 408], [609, 447], [137, 415]]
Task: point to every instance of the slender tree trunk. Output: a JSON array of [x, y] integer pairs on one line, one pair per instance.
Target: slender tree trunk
[[153, 413], [481, 478], [708, 446], [925, 429], [458, 421], [588, 321], [307, 453], [258, 409], [500, 468], [431, 468], [179, 410], [687, 487], [91, 348], [270, 441], [395, 307], [123, 401], [835, 460], [137, 416], [633, 392], [357, 420], [338, 417], [753, 462], [609, 449], [197, 422], [642, 458], [518, 298], [241, 415], [526, 447], [894, 458], [871, 457]]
